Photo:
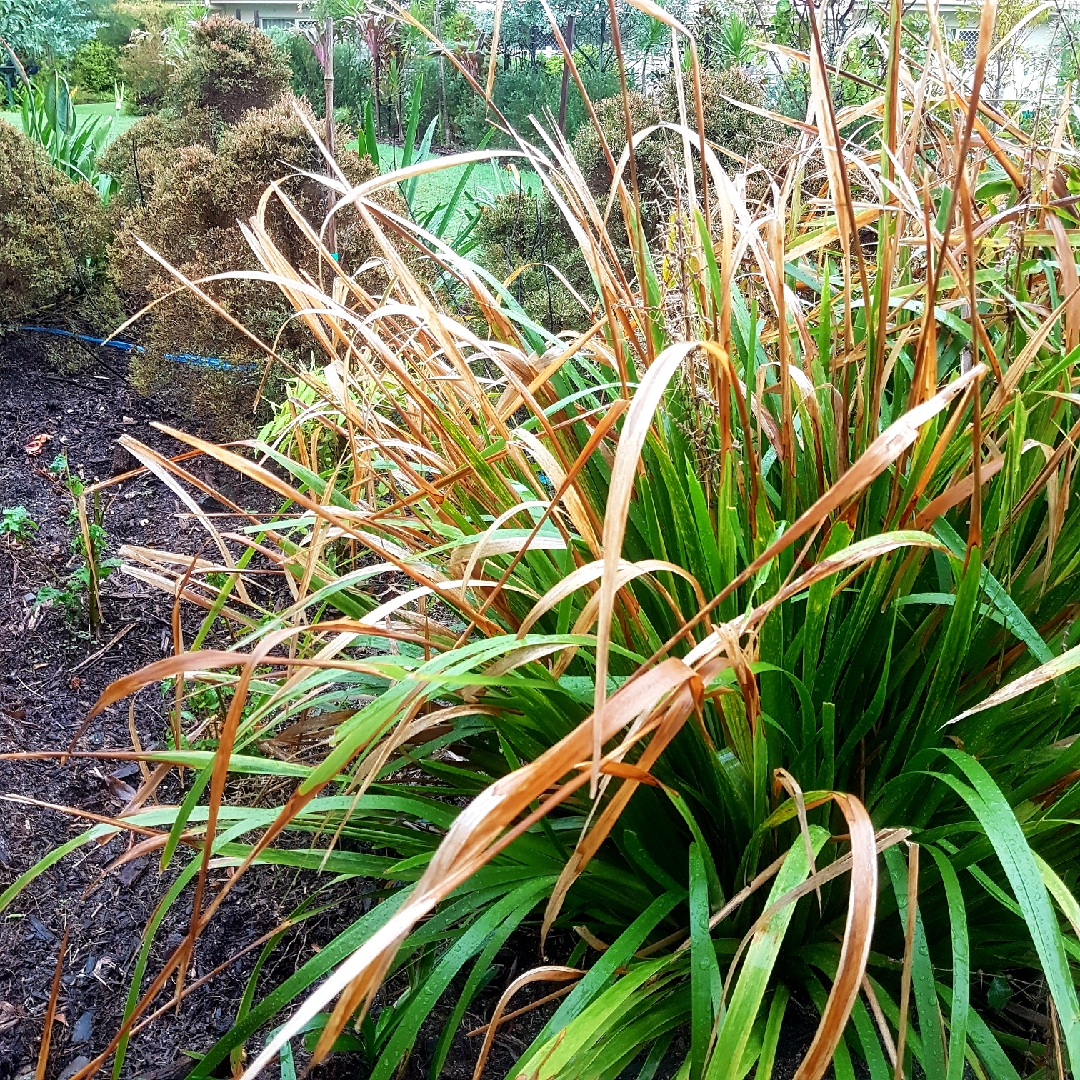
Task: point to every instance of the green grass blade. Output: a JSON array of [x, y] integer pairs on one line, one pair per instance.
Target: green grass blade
[[301, 980], [738, 1021], [499, 919], [771, 1038], [922, 971], [705, 985], [995, 815], [603, 971], [53, 857], [961, 965]]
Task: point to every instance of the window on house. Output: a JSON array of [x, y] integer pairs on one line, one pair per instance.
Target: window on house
[[279, 24], [969, 43]]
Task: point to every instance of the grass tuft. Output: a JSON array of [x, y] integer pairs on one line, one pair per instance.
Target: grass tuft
[[667, 629]]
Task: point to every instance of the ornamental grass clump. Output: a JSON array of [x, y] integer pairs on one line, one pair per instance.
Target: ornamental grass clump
[[729, 660]]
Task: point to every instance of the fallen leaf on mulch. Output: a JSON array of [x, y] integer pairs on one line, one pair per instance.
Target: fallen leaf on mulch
[[131, 871], [83, 1028], [77, 1065], [37, 443], [124, 792], [41, 931]]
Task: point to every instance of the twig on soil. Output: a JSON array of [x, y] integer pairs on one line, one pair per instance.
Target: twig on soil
[[103, 650]]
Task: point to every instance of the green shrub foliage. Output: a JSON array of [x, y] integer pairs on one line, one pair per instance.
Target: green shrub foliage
[[229, 67], [520, 229], [147, 69], [96, 67], [53, 235]]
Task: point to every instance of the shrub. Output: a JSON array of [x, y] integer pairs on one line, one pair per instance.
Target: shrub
[[519, 230], [146, 66], [305, 71], [652, 160], [747, 134], [53, 235], [149, 146], [229, 67], [743, 133], [96, 67], [528, 90], [184, 201]]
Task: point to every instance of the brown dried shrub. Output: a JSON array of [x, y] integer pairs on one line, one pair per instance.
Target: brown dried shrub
[[189, 215], [229, 68], [54, 235], [150, 145], [748, 135]]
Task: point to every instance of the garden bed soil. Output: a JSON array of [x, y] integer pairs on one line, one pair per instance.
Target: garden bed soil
[[51, 671]]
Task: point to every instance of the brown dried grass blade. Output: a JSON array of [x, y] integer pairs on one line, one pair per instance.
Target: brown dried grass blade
[[631, 441], [1070, 279], [830, 1023], [50, 1011], [832, 151], [862, 902], [783, 779], [925, 361], [956, 493], [589, 842], [551, 973], [879, 1019], [677, 29], [635, 232]]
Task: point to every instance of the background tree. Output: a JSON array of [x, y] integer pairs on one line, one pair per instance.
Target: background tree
[[42, 30]]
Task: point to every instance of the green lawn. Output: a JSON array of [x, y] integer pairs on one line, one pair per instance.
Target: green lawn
[[487, 180], [84, 112]]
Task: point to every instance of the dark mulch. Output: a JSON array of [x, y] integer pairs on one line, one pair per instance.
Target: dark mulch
[[46, 689]]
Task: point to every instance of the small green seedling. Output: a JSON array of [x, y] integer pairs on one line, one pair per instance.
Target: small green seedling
[[79, 592], [16, 522]]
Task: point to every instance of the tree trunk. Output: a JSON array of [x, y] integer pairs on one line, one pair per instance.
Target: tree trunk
[[568, 35], [328, 93]]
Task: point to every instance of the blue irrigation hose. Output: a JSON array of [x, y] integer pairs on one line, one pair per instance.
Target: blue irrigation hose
[[212, 362]]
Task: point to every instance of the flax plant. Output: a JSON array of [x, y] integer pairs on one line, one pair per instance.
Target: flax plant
[[729, 639]]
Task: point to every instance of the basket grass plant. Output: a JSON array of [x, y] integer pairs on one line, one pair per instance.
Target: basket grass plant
[[719, 657]]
